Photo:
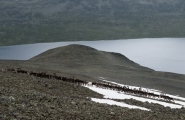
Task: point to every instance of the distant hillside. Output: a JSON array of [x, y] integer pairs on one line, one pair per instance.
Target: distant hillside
[[30, 21], [80, 55]]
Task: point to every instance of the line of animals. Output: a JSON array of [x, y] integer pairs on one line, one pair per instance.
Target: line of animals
[[77, 81]]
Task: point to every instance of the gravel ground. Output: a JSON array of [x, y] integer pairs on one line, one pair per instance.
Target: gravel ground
[[26, 97]]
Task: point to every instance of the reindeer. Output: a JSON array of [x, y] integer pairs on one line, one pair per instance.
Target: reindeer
[[22, 71], [125, 89], [80, 82], [56, 77], [33, 73], [166, 98], [12, 70]]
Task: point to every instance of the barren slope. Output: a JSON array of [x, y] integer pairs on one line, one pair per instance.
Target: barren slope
[[79, 60]]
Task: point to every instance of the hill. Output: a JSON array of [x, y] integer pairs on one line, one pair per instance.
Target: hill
[[88, 63], [28, 96], [32, 21], [83, 56]]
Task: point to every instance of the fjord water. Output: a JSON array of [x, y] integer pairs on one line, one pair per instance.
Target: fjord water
[[161, 54]]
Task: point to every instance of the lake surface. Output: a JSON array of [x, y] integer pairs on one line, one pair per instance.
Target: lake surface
[[161, 54]]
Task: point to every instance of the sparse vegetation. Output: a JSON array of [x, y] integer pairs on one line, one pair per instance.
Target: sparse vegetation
[[48, 21], [27, 97]]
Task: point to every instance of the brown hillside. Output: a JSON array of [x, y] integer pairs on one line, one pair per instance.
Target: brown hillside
[[84, 55]]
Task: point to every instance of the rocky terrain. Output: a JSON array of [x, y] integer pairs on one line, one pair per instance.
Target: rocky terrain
[[29, 97]]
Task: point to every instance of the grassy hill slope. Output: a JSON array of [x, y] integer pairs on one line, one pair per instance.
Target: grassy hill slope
[[83, 55]]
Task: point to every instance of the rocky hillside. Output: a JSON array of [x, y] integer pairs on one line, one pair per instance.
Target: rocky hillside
[[35, 8], [27, 97], [34, 96], [30, 21], [89, 63]]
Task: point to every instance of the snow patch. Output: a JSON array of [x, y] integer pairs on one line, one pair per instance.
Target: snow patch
[[111, 94], [179, 102], [121, 104]]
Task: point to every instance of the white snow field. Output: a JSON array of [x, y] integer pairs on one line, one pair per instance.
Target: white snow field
[[108, 94], [122, 104]]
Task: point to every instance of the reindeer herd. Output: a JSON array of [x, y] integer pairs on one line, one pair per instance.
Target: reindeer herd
[[125, 89]]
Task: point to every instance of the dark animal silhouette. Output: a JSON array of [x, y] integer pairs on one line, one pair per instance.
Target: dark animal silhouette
[[74, 80]]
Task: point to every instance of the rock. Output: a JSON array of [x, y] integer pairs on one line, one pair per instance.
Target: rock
[[15, 114], [1, 116], [11, 98], [73, 103], [52, 107], [112, 113]]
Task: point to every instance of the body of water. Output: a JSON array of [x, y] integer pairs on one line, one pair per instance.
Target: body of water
[[161, 54]]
